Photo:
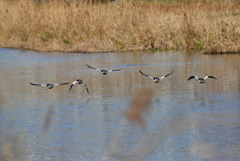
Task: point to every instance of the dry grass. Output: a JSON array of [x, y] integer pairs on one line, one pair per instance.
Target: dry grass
[[84, 27]]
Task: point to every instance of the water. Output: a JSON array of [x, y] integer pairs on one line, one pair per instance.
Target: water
[[187, 120]]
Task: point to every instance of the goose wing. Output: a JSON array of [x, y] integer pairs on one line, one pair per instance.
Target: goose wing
[[94, 68], [37, 84], [145, 74], [166, 75], [192, 77], [72, 86], [209, 77], [86, 87], [114, 70], [61, 84]]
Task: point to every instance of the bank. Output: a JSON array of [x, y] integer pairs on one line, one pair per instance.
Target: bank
[[211, 27]]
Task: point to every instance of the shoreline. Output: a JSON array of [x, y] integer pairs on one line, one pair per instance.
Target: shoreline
[[19, 47]]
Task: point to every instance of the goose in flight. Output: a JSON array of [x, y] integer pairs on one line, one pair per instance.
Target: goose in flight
[[104, 72], [155, 79], [201, 80], [79, 81], [49, 86]]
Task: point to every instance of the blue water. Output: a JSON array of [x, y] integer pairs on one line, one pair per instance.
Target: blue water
[[187, 120]]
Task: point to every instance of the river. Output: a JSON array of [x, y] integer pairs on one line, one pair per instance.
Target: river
[[187, 120]]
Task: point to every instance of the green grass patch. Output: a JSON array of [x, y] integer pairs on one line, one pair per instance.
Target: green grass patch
[[65, 41], [48, 35], [120, 44], [199, 42]]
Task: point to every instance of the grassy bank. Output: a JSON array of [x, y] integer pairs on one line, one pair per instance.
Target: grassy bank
[[58, 26]]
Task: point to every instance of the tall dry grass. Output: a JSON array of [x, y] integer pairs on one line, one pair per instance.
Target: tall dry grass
[[86, 27]]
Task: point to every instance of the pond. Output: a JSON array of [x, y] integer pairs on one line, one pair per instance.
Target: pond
[[187, 120]]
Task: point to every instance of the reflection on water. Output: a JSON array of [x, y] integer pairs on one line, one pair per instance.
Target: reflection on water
[[188, 120]]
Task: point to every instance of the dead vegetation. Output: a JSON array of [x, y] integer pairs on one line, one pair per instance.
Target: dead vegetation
[[81, 26]]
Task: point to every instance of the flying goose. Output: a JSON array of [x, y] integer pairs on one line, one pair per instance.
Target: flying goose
[[49, 86], [104, 72], [155, 79], [79, 81], [201, 80]]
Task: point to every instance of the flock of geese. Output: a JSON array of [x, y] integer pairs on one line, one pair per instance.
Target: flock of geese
[[104, 72]]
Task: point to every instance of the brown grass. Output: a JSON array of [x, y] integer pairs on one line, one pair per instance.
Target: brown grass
[[103, 27]]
